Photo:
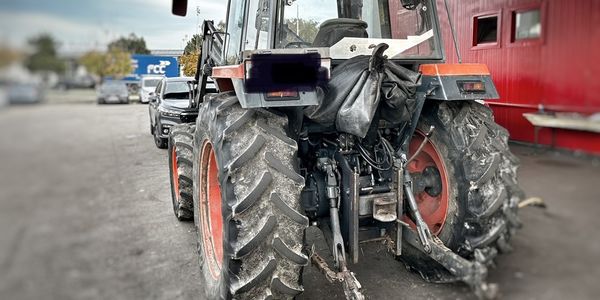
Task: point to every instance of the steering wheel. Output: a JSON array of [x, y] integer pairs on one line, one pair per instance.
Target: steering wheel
[[297, 45]]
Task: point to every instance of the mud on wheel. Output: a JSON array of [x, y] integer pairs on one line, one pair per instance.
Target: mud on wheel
[[246, 203], [181, 156], [474, 212]]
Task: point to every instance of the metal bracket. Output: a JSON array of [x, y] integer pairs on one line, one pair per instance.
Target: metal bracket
[[328, 166], [422, 229], [350, 283], [400, 203], [353, 224]]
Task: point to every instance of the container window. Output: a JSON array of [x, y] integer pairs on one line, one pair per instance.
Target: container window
[[527, 24], [486, 30]]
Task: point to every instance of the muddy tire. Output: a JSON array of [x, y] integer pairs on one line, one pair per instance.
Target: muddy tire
[[261, 254], [481, 183], [181, 157]]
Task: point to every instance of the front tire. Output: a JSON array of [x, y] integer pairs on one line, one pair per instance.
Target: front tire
[[258, 203], [480, 183], [181, 157]]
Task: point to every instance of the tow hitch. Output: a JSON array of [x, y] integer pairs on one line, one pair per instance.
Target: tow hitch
[[349, 282]]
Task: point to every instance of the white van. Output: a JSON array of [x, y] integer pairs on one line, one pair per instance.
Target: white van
[[148, 85]]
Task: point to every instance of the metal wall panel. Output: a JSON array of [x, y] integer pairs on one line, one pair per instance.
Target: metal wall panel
[[557, 71]]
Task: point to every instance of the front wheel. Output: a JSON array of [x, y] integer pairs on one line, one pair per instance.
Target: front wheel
[[473, 209], [247, 203], [181, 156]]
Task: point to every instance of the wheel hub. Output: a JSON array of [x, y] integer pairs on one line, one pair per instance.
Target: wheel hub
[[430, 183], [211, 217]]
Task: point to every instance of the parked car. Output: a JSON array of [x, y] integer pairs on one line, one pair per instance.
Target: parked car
[[25, 93], [113, 91], [169, 99], [80, 82], [3, 97], [134, 91], [148, 85]]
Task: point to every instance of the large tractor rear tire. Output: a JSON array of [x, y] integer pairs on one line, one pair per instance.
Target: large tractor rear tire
[[181, 157], [476, 212], [247, 203]]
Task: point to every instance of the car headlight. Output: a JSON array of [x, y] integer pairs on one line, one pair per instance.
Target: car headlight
[[168, 112]]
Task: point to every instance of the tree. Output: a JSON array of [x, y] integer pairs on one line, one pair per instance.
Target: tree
[[307, 29], [118, 63], [115, 63], [192, 50], [132, 44], [189, 62], [93, 61], [8, 56], [194, 45], [220, 26], [44, 57]]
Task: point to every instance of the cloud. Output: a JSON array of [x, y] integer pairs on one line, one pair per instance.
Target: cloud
[[18, 26], [82, 26]]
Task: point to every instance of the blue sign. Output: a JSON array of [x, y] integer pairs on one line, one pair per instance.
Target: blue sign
[[154, 65]]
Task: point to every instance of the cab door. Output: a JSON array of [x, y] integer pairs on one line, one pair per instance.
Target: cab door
[[235, 25]]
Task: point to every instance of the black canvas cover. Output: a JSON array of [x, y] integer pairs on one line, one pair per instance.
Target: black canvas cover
[[357, 86]]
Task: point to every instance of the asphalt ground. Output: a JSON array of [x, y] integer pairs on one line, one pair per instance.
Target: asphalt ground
[[85, 213]]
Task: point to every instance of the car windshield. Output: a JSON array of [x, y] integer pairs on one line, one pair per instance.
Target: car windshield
[[350, 27], [150, 82], [113, 86], [177, 90]]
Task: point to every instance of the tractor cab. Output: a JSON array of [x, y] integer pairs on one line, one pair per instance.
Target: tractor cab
[[347, 28]]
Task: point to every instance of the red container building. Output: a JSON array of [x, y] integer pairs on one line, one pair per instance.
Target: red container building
[[540, 52]]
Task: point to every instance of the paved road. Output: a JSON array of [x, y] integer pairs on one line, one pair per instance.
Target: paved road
[[85, 214]]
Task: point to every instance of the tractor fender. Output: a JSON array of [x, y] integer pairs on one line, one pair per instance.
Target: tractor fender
[[457, 82]]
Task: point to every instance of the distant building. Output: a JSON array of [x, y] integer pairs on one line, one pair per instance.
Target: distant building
[[152, 65], [167, 52]]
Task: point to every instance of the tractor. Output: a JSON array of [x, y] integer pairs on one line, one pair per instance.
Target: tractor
[[339, 114]]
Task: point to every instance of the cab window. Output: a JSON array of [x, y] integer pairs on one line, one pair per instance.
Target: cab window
[[235, 23], [257, 36]]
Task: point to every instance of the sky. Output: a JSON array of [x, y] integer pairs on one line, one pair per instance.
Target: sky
[[81, 25]]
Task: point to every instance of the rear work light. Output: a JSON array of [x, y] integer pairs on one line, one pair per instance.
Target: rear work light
[[471, 86], [283, 95]]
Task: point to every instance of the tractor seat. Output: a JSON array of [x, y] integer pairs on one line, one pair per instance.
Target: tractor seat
[[333, 30]]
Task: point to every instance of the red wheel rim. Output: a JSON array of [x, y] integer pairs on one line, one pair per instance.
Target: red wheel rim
[[175, 173], [433, 209], [211, 218]]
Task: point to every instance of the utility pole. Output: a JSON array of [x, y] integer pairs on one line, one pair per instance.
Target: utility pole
[[197, 18], [197, 25], [297, 18], [183, 41]]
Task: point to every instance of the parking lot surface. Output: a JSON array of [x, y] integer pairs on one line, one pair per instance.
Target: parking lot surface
[[85, 213]]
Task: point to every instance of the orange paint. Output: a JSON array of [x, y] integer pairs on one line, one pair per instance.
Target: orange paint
[[232, 71], [454, 69], [211, 216]]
